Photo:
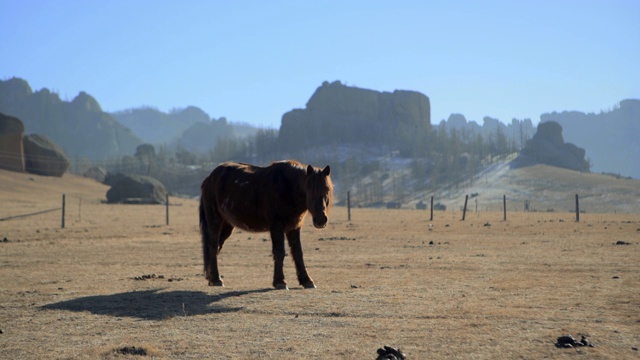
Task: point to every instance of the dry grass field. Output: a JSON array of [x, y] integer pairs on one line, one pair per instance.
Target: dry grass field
[[482, 288]]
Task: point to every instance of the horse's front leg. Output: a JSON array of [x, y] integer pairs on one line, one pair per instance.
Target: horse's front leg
[[277, 242], [296, 251]]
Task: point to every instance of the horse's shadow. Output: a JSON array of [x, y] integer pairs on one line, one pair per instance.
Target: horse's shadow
[[152, 304]]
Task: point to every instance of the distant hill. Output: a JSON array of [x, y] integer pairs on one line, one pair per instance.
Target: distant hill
[[79, 126], [190, 128], [202, 137], [156, 127], [611, 138]]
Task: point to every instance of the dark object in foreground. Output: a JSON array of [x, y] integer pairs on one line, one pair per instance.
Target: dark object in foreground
[[132, 350], [389, 353], [275, 198], [568, 341]]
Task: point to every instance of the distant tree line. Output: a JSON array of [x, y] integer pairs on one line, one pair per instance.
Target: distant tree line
[[442, 156]]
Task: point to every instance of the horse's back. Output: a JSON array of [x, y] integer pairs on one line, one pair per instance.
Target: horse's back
[[235, 190]]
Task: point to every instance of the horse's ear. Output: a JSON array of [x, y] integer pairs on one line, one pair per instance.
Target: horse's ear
[[327, 170], [310, 170]]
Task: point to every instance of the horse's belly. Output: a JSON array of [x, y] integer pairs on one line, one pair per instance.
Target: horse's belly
[[243, 216]]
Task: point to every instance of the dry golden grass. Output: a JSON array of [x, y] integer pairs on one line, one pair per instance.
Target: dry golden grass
[[502, 291]]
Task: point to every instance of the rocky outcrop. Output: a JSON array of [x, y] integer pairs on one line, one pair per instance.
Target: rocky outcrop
[[11, 150], [136, 189], [43, 157], [548, 147], [337, 113]]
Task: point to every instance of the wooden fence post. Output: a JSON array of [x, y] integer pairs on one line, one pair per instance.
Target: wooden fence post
[[504, 206], [63, 206], [464, 211], [348, 206], [167, 206], [577, 209], [431, 219]]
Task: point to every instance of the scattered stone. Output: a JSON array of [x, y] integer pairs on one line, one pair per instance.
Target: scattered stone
[[585, 342], [5, 240], [389, 353], [568, 341], [564, 340], [487, 224], [616, 277], [620, 242], [431, 243], [336, 238], [132, 350], [148, 277]]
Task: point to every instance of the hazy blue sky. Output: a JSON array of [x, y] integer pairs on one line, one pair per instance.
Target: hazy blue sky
[[252, 61]]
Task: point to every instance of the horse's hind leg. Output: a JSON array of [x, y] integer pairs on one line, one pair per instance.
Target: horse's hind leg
[[293, 237], [211, 234]]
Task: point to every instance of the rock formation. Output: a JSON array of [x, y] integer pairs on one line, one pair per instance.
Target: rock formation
[[548, 147], [43, 157], [337, 113], [11, 150], [136, 189]]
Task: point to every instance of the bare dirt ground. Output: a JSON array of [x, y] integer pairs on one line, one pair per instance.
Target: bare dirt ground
[[116, 277]]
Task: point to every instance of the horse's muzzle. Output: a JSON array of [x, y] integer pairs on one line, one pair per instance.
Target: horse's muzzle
[[320, 221]]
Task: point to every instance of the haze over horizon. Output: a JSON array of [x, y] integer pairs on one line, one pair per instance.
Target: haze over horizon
[[252, 61]]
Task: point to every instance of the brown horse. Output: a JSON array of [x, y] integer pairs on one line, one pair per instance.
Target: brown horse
[[275, 198]]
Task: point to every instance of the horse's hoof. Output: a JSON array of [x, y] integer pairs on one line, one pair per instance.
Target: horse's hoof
[[216, 283], [309, 285], [282, 287]]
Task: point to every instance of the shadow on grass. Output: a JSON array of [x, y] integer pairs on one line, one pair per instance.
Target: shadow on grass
[[152, 304]]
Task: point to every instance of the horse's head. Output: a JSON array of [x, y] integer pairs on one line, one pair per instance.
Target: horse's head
[[319, 189]]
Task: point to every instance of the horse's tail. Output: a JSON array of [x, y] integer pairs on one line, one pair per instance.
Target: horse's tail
[[206, 234]]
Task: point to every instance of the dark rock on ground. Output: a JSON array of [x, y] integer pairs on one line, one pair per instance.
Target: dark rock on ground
[[568, 341], [137, 189], [132, 350], [43, 156], [389, 353], [11, 150]]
